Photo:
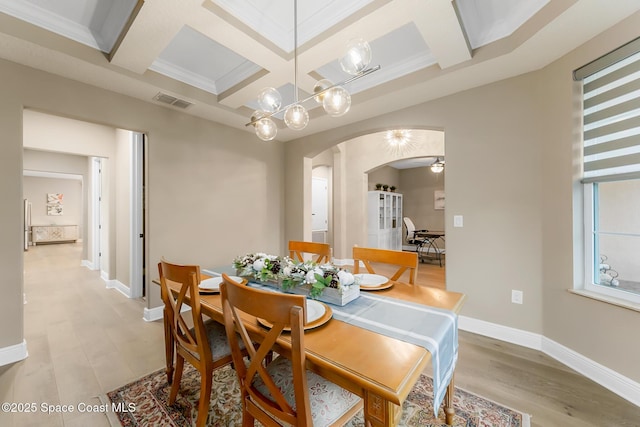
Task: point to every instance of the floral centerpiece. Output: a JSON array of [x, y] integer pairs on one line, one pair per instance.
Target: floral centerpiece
[[299, 277]]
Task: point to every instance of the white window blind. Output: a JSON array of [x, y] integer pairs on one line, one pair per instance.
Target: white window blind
[[611, 115]]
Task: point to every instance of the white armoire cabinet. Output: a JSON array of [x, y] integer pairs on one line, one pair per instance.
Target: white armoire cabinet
[[385, 220]]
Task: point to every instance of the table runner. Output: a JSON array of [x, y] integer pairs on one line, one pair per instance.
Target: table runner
[[432, 328]]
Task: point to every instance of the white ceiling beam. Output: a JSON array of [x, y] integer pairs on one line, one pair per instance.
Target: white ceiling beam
[[442, 30], [157, 23]]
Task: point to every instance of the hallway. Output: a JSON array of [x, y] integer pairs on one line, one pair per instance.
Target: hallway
[[83, 340]]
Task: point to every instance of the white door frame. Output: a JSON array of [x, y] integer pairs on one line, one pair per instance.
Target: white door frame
[[137, 212], [96, 198]]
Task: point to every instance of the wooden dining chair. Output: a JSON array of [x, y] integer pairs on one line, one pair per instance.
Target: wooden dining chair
[[204, 345], [297, 250], [280, 390], [403, 260]]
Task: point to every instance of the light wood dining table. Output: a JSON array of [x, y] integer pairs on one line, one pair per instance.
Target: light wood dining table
[[380, 369]]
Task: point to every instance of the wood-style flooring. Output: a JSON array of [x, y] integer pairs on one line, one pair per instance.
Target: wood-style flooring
[[85, 340]]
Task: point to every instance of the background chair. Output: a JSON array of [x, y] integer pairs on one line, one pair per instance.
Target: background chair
[[298, 249], [277, 391], [404, 260], [412, 237], [205, 345], [426, 241]]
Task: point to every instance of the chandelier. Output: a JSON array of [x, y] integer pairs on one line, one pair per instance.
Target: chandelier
[[335, 99], [437, 166], [397, 137]]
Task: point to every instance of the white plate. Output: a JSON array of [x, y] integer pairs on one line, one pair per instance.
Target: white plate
[[315, 310], [371, 280], [213, 284]]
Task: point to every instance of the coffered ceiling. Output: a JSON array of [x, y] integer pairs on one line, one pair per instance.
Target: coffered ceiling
[[211, 58]]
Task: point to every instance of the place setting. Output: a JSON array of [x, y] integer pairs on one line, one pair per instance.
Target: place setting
[[373, 282], [212, 284], [318, 313]]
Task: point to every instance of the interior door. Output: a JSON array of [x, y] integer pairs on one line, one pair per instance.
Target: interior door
[[319, 204]]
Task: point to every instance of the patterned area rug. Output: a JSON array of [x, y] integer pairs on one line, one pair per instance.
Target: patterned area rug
[[147, 400]]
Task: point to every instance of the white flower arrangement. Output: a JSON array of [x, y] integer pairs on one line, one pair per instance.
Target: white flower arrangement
[[290, 273]]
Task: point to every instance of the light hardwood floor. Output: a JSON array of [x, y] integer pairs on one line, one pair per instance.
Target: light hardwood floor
[[85, 340]]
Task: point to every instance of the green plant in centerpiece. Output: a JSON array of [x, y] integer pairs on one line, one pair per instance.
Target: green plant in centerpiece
[[392, 188], [378, 186], [385, 187], [288, 273]]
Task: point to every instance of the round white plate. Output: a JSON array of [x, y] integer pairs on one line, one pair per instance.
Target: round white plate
[[315, 310], [213, 284], [371, 280]]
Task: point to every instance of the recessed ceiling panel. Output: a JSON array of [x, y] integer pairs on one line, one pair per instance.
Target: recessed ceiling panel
[[273, 19], [95, 23], [193, 58], [398, 53], [486, 21]]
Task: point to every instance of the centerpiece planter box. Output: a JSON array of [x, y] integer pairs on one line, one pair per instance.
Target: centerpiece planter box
[[333, 296], [339, 286]]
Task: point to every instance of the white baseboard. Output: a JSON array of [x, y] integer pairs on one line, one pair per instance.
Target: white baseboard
[[157, 313], [86, 263], [500, 332], [608, 378], [153, 314], [118, 286], [13, 353]]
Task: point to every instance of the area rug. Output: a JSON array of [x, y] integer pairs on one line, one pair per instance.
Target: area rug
[[145, 404]]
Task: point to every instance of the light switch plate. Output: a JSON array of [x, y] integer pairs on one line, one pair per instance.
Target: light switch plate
[[457, 221]]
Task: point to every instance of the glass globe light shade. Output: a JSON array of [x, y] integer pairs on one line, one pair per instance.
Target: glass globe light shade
[[319, 87], [437, 167], [337, 101], [296, 117], [357, 57], [258, 114], [270, 99], [266, 129]]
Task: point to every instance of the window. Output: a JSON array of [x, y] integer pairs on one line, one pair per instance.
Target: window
[[611, 178]]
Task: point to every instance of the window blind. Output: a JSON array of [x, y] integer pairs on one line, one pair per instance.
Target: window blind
[[611, 115]]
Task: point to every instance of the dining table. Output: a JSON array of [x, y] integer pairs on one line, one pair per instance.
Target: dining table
[[429, 246], [379, 368]]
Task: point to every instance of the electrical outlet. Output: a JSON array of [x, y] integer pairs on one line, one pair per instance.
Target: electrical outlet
[[516, 297]]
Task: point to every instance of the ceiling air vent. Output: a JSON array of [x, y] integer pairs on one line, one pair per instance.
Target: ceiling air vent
[[172, 100]]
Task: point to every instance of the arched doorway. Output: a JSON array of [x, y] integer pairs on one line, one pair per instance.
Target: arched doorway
[[351, 161]]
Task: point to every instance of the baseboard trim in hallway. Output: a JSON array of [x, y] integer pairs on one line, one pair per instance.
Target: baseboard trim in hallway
[[13, 353]]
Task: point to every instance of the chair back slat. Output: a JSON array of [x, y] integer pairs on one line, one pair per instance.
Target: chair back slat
[[403, 260], [192, 343], [321, 251]]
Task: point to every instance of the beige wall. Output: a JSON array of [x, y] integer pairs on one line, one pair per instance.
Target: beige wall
[[74, 204], [36, 190], [385, 175], [417, 186], [213, 192], [518, 213], [600, 331]]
